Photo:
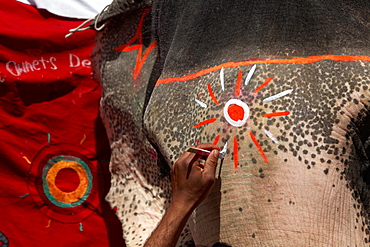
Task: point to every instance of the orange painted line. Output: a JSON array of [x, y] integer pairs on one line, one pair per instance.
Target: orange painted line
[[48, 225], [264, 84], [236, 154], [259, 148], [212, 94], [295, 60], [83, 139], [211, 120], [276, 114], [238, 83], [216, 139], [26, 159]]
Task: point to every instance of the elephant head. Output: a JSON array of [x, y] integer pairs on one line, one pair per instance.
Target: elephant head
[[284, 84]]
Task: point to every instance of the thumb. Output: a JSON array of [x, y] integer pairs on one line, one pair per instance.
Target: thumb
[[211, 163]]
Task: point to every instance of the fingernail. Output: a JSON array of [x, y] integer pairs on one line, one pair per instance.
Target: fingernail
[[215, 153]]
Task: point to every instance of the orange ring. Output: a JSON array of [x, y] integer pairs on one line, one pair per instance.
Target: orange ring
[[67, 197]]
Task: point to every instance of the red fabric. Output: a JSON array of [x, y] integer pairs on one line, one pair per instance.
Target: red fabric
[[49, 107]]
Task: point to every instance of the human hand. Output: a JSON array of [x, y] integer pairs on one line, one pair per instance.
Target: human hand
[[190, 181]]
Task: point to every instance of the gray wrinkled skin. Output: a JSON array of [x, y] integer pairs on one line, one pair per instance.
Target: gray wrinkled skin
[[312, 186], [140, 189]]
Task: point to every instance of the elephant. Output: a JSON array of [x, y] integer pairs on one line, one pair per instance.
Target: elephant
[[283, 86]]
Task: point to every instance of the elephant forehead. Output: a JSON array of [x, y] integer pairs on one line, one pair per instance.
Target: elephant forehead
[[302, 122], [284, 101]]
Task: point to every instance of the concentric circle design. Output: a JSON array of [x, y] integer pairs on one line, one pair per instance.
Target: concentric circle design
[[4, 242], [56, 195], [64, 182], [236, 112]]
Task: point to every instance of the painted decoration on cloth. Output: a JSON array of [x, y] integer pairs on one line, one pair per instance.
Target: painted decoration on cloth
[[63, 182], [48, 96], [78, 173]]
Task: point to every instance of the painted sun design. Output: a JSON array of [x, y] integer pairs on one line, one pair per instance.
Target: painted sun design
[[236, 112]]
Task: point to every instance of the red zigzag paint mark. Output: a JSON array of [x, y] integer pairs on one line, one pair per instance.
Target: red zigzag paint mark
[[140, 58]]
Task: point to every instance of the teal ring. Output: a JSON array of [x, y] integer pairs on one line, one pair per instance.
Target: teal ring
[[45, 185]]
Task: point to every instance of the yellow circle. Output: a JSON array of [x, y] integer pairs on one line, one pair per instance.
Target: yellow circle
[[67, 197]]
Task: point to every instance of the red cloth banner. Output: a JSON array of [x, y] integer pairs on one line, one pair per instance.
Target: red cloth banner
[[54, 153]]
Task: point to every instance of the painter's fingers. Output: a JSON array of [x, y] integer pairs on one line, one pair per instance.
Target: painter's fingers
[[181, 164], [211, 165], [184, 165]]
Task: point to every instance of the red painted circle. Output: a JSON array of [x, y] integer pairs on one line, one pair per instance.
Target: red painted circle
[[67, 180], [235, 112]]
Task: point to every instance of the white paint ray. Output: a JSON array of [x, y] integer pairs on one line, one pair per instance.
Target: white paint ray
[[271, 136], [202, 104], [222, 79], [250, 74], [223, 151], [279, 95]]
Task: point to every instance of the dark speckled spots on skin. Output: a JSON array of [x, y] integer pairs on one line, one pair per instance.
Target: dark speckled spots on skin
[[310, 125], [326, 171]]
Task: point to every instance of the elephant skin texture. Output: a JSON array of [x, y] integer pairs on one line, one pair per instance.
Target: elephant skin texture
[[284, 83]]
